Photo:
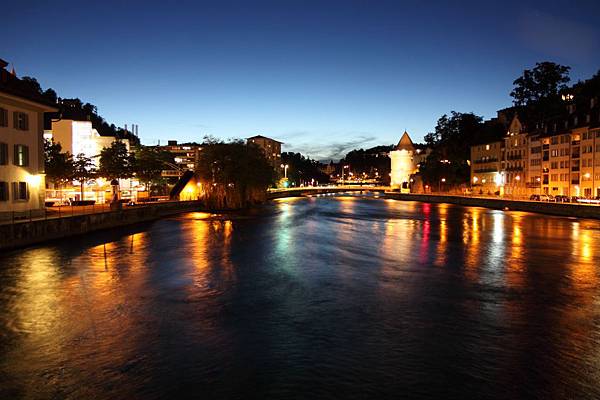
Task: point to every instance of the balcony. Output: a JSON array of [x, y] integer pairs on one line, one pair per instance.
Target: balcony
[[514, 169], [546, 147], [515, 157], [533, 184], [483, 161], [575, 155], [575, 143], [575, 181], [575, 169]]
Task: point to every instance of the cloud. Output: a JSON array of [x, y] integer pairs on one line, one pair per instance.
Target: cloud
[[333, 150]]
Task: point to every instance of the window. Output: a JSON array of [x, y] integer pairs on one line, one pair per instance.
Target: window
[[21, 155], [3, 154], [20, 191], [21, 121], [553, 164], [554, 140], [3, 117], [3, 191]]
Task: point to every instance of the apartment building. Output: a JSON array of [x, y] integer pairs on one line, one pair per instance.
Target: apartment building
[[185, 156], [22, 184], [270, 147], [560, 156], [486, 164]]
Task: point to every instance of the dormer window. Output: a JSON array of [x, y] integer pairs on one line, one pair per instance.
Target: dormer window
[[575, 121], [587, 118]]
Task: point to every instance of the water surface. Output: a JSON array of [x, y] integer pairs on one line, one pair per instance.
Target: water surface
[[328, 297]]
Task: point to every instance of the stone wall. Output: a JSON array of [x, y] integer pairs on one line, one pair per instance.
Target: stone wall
[[26, 233]]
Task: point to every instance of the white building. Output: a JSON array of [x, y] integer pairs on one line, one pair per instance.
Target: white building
[[22, 183], [403, 164], [79, 137]]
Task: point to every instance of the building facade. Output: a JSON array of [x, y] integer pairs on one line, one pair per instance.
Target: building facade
[[185, 156], [270, 147], [79, 137], [486, 167], [559, 156], [22, 184]]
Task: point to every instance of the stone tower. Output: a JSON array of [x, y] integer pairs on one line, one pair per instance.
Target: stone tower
[[403, 165]]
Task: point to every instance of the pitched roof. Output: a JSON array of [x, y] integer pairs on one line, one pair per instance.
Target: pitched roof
[[405, 143], [263, 137]]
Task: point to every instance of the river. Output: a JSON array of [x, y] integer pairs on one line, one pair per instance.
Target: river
[[325, 297]]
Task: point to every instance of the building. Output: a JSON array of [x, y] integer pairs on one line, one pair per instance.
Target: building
[[557, 156], [185, 156], [514, 174], [22, 184], [403, 163], [80, 137], [486, 167], [270, 147]]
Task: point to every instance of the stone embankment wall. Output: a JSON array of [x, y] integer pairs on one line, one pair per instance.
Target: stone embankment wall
[[560, 209], [26, 233]]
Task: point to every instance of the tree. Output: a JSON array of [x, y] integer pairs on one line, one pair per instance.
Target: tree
[[83, 170], [303, 170], [451, 144], [116, 162], [542, 83], [149, 164], [58, 166], [233, 174]]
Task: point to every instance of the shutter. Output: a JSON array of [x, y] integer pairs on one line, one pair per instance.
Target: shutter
[[25, 122], [25, 156], [16, 155], [16, 120], [15, 189], [26, 191]]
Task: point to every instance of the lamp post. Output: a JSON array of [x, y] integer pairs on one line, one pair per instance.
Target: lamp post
[[285, 167], [344, 167], [443, 180]]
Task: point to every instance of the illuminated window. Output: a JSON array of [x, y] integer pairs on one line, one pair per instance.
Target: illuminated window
[[21, 158]]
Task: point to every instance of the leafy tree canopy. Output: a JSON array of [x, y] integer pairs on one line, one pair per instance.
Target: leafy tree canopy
[[116, 162]]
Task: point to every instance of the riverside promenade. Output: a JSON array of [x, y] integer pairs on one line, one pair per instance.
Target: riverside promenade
[[576, 210], [80, 220]]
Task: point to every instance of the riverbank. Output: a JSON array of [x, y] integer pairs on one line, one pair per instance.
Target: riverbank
[[558, 209], [25, 233]]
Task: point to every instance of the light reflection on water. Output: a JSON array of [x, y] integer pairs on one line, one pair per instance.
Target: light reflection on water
[[323, 297]]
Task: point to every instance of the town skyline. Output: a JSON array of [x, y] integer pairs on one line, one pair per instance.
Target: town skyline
[[334, 88]]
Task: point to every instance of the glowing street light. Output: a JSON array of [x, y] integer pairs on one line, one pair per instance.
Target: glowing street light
[[285, 168]]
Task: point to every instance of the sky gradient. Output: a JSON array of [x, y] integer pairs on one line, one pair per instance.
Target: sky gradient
[[324, 77]]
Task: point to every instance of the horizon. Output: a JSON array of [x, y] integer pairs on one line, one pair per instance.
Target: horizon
[[322, 78]]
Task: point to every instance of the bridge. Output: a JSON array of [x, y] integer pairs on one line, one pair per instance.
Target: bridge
[[312, 190]]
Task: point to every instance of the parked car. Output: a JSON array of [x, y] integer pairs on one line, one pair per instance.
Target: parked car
[[535, 197], [546, 197], [562, 199]]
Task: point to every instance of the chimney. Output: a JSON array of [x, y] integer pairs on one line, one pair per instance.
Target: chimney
[[125, 128]]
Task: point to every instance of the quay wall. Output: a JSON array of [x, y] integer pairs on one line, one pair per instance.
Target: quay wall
[[25, 233], [558, 209]]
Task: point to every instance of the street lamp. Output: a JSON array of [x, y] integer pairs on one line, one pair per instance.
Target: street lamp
[[285, 167], [343, 168], [443, 180]]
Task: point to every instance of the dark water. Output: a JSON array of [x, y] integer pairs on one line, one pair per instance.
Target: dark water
[[336, 297]]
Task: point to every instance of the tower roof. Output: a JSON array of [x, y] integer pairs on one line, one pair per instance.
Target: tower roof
[[405, 143]]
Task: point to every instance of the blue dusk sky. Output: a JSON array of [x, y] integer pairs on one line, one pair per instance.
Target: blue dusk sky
[[322, 76]]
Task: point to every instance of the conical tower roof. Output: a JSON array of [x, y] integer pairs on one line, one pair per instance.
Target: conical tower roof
[[405, 143]]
